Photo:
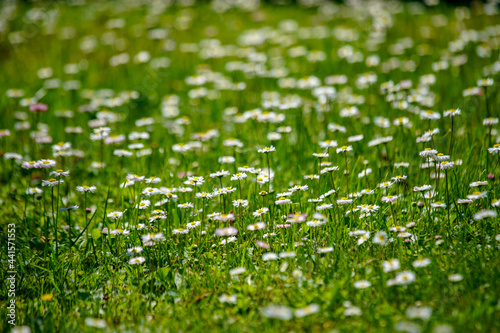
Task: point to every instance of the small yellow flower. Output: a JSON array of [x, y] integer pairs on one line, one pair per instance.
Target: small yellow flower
[[47, 297]]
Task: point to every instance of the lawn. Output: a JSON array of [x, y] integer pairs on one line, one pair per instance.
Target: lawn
[[246, 166]]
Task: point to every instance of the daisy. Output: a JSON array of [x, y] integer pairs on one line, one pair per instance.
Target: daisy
[[95, 322], [307, 310], [185, 205], [282, 201], [256, 226], [438, 204], [239, 176], [153, 180], [363, 238], [389, 198], [180, 231], [344, 149], [33, 190], [237, 271], [52, 182], [344, 201], [269, 256], [324, 206], [267, 150], [136, 249], [228, 299], [380, 238], [192, 225], [325, 249], [391, 265], [115, 215], [86, 188], [59, 173], [137, 260], [229, 231], [328, 144], [405, 278], [44, 164], [144, 204], [421, 262], [240, 203], [362, 284]]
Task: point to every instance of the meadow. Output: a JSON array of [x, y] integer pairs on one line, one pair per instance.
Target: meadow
[[244, 166]]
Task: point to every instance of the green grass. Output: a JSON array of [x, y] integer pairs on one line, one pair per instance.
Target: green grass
[[70, 270]]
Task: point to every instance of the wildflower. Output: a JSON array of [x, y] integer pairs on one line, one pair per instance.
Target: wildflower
[[180, 231], [389, 198], [451, 113], [86, 188], [44, 164], [328, 144], [344, 201], [422, 188], [277, 312], [144, 204], [479, 183], [137, 261], [115, 215], [429, 114], [203, 195], [256, 226], [484, 214], [427, 152], [324, 206], [380, 238], [269, 256], [240, 203], [477, 195], [227, 299], [192, 225], [95, 322], [316, 223], [391, 265], [397, 229], [229, 231], [352, 311], [364, 238], [455, 278], [262, 245], [33, 190], [490, 121], [52, 182], [237, 271], [404, 278], [185, 205], [325, 249], [291, 254], [152, 180], [260, 211], [398, 179], [307, 310], [136, 249], [59, 173], [282, 201], [362, 284], [344, 149], [152, 237], [219, 174], [438, 204], [119, 232], [239, 176], [267, 150], [385, 184], [420, 312]]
